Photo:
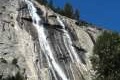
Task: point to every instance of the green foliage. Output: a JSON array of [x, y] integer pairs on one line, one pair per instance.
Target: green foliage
[[59, 10], [3, 60], [68, 10], [84, 23], [43, 2], [18, 76], [50, 4], [14, 61], [106, 57], [77, 14]]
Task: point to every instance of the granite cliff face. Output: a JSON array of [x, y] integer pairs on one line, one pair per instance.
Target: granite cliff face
[[43, 45]]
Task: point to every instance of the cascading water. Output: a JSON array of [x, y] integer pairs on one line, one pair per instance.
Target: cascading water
[[68, 42], [43, 42]]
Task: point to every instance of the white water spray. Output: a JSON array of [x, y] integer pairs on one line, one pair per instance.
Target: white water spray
[[69, 40], [72, 51], [42, 39]]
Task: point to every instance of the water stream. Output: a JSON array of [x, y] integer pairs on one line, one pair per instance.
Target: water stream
[[68, 42], [43, 40]]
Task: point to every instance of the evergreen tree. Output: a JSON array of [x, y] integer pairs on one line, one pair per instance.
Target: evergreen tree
[[106, 57], [50, 4], [68, 10], [44, 2], [77, 14], [59, 10]]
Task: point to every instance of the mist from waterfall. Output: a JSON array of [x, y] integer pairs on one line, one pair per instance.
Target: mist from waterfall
[[43, 40]]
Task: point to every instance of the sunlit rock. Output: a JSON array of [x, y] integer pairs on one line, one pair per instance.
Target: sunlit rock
[[45, 45]]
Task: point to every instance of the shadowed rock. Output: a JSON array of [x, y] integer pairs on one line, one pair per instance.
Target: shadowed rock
[[92, 38], [24, 7], [79, 48], [54, 16], [63, 57], [27, 19], [56, 27]]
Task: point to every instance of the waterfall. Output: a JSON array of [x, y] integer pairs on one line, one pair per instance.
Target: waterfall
[[68, 42], [43, 40]]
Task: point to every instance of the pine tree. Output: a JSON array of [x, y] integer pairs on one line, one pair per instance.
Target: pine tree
[[50, 4], [106, 57], [77, 14], [44, 2], [68, 10]]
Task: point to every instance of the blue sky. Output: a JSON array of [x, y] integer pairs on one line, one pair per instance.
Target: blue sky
[[104, 13]]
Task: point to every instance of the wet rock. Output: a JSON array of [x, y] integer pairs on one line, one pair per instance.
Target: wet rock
[[20, 48]]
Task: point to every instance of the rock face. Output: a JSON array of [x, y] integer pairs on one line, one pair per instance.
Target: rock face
[[24, 47]]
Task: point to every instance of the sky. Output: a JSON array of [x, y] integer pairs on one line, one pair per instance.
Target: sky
[[103, 13]]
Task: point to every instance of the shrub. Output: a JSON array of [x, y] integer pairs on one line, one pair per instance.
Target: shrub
[[3, 60], [106, 57], [18, 76], [14, 61]]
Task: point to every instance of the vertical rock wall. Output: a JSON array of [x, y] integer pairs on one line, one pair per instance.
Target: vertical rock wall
[[19, 42]]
